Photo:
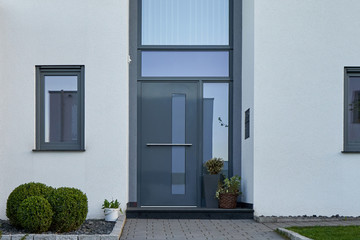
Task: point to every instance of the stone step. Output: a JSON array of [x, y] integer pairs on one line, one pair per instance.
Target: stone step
[[189, 213]]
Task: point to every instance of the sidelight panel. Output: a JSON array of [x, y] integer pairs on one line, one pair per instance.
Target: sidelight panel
[[216, 122]]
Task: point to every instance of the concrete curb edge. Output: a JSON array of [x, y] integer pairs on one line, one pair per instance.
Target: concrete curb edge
[[273, 219], [292, 235], [114, 235]]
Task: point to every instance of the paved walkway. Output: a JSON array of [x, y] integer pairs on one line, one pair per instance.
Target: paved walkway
[[180, 229]]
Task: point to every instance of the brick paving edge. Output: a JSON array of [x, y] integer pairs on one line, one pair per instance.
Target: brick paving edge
[[292, 235], [114, 235], [273, 219]]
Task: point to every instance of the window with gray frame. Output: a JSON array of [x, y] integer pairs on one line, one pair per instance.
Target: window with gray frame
[[60, 108], [352, 110]]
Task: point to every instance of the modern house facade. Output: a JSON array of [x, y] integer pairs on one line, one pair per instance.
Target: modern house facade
[[127, 99]]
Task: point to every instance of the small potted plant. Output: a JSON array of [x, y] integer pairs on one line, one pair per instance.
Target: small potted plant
[[214, 167], [112, 210], [228, 191]]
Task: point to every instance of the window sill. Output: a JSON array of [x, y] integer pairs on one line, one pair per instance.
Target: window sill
[[350, 151], [58, 150]]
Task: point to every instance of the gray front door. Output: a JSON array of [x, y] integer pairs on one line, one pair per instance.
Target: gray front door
[[168, 144]]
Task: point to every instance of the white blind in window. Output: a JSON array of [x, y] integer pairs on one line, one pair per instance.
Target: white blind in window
[[185, 22]]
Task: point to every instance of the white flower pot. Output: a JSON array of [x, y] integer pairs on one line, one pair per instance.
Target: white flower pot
[[111, 214]]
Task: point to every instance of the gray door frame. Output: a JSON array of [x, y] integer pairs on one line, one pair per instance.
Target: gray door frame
[[235, 42]]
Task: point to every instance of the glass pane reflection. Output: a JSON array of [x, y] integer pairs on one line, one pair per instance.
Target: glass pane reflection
[[354, 110], [61, 107], [216, 122], [185, 22], [185, 64]]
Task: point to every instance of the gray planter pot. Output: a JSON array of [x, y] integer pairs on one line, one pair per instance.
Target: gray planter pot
[[210, 187]]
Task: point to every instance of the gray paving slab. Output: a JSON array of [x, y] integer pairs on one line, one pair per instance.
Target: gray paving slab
[[6, 237], [22, 237], [44, 237]]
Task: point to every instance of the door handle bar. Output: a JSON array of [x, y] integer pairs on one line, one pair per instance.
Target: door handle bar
[[169, 144]]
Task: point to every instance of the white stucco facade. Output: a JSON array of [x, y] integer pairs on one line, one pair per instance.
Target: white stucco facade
[[83, 32], [300, 51], [247, 145], [293, 58]]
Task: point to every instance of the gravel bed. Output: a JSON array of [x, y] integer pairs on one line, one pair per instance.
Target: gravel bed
[[90, 227]]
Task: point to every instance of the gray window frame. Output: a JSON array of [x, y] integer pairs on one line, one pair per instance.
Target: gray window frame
[[59, 70]]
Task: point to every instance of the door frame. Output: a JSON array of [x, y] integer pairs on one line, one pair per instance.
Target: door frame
[[235, 82]]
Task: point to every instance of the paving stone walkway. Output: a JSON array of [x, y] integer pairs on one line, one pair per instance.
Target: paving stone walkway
[[199, 229]]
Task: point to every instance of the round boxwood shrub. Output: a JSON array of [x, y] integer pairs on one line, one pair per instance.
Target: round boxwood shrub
[[19, 194], [70, 206], [35, 214]]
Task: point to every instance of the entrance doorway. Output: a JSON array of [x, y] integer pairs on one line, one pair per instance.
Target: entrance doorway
[[169, 143], [182, 85]]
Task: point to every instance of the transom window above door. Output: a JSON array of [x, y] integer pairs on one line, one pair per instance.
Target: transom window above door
[[185, 22], [185, 64]]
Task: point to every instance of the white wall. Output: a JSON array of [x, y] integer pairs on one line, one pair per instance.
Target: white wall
[[301, 48], [247, 148], [51, 32]]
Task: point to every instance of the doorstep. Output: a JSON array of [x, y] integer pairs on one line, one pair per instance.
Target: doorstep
[[114, 235], [189, 213]]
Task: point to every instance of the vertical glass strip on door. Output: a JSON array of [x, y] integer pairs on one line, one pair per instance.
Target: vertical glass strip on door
[[185, 22], [178, 137]]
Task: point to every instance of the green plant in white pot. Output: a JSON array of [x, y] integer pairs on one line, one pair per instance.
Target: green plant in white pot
[[112, 210]]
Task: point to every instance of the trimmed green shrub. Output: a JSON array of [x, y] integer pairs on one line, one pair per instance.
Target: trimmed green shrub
[[70, 208], [35, 214], [19, 194]]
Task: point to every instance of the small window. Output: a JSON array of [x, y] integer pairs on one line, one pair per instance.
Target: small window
[[352, 110], [247, 123], [60, 107]]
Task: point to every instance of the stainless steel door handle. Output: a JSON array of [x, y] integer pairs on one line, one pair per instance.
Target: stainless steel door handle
[[169, 144]]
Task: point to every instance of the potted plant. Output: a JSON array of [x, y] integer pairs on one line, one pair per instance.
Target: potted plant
[[228, 191], [112, 210], [214, 167]]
